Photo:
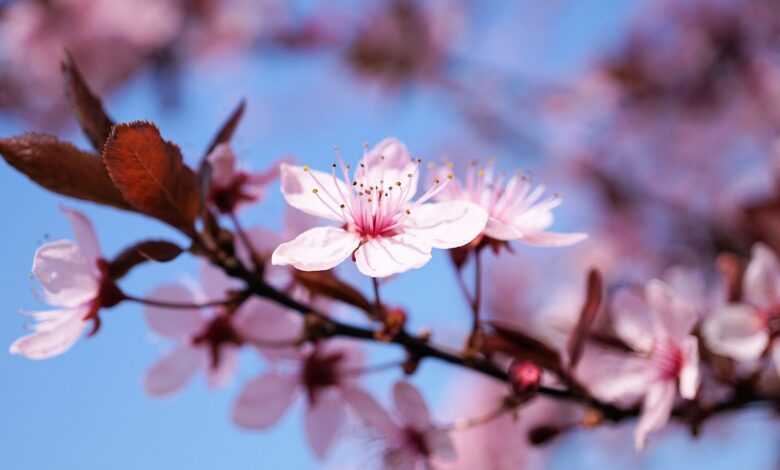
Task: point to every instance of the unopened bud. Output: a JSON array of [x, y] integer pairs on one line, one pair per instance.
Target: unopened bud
[[524, 377], [541, 435]]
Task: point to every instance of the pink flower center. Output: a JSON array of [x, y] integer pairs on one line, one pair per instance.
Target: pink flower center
[[108, 296], [320, 371], [217, 333], [416, 440], [372, 209], [668, 358], [226, 198]]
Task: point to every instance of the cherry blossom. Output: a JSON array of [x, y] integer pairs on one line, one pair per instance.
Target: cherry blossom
[[743, 331], [210, 339], [322, 374], [658, 325], [516, 210], [411, 440], [75, 280], [382, 228], [232, 187]]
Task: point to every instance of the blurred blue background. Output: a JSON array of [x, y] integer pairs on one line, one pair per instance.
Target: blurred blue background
[[86, 409]]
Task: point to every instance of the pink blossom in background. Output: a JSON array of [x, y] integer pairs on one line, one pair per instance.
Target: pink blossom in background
[[74, 280], [658, 325], [322, 373], [410, 439], [744, 331], [382, 227], [211, 338], [516, 210], [231, 187]]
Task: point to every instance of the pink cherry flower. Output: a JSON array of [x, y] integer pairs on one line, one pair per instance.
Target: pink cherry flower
[[231, 187], [659, 326], [382, 228], [210, 339], [411, 441], [743, 331], [515, 209], [321, 373], [75, 280]]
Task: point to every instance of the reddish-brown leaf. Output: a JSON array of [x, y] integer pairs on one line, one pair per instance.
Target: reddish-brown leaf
[[151, 175], [62, 168], [594, 293], [509, 340], [150, 250], [326, 284], [86, 105], [227, 130]]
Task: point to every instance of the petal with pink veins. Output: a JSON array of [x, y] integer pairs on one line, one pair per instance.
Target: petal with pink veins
[[411, 407], [264, 400], [85, 236], [55, 332], [690, 377], [736, 331], [628, 382], [446, 224], [171, 373], [299, 185], [631, 318], [174, 323], [324, 421], [372, 414], [656, 409], [672, 316], [762, 277], [67, 278], [389, 162], [385, 256], [317, 249]]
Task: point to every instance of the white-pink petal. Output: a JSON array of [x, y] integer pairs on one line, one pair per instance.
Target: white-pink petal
[[656, 409], [631, 319], [65, 274], [736, 331], [55, 333], [264, 400], [390, 161], [410, 406], [551, 239], [261, 322], [372, 414], [173, 323], [85, 236], [317, 249], [446, 224], [672, 316], [223, 165], [226, 367], [440, 443], [762, 277], [690, 376], [299, 185], [174, 370], [385, 256], [324, 421]]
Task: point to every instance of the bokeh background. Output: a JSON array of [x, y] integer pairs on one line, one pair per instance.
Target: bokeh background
[[597, 99]]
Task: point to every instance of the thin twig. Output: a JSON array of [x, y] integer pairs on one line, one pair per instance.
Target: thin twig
[[179, 305]]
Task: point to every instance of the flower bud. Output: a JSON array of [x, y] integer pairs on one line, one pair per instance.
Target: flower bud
[[524, 377]]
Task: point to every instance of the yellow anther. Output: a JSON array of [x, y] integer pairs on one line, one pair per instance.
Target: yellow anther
[[305, 167], [315, 190]]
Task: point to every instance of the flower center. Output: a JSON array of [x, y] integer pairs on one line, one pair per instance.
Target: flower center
[[416, 440], [217, 333], [226, 198], [770, 319], [372, 206], [321, 371]]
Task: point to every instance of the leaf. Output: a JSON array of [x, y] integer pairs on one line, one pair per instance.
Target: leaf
[[594, 294], [160, 251], [151, 175], [86, 105], [62, 168], [227, 130], [519, 345], [326, 283]]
